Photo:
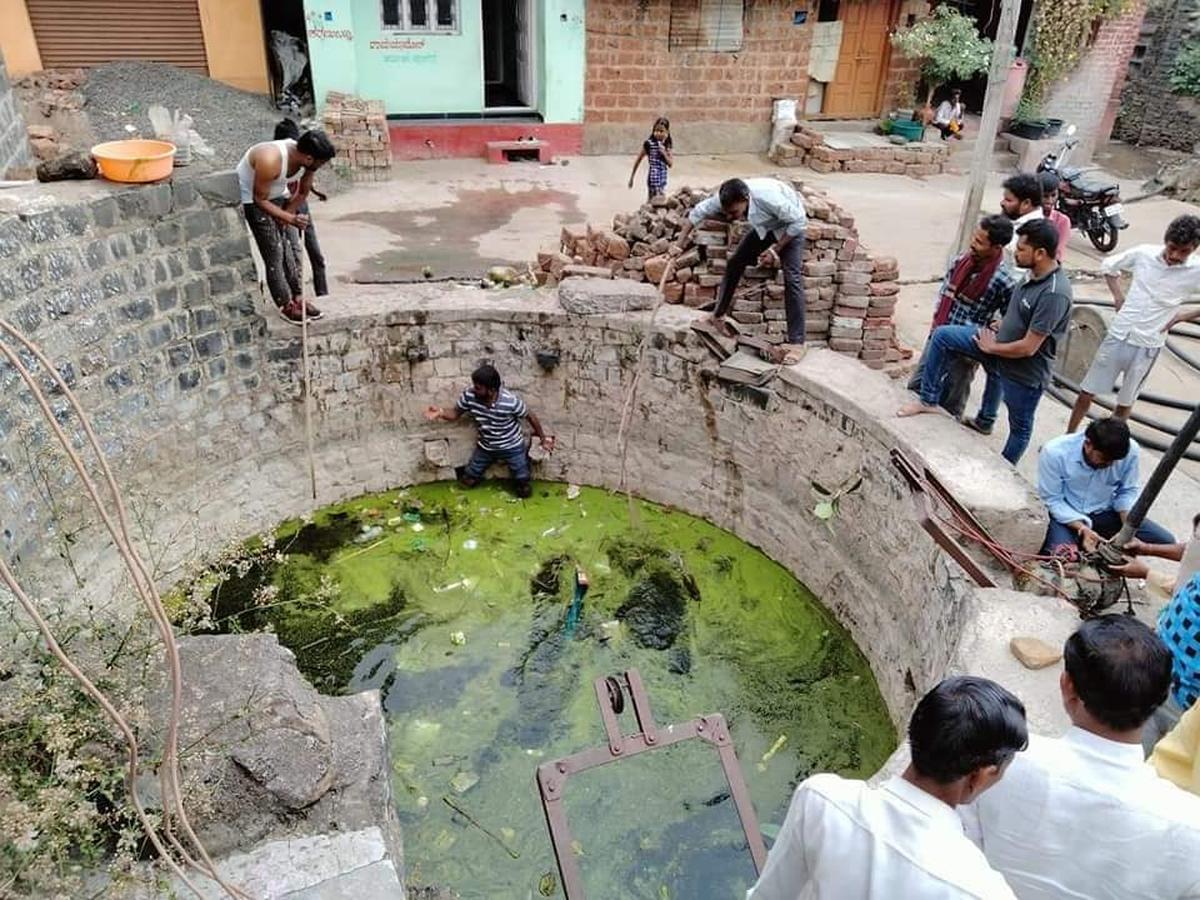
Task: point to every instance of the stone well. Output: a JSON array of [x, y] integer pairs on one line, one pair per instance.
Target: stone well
[[146, 299]]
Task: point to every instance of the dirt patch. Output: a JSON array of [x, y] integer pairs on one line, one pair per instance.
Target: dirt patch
[[442, 241]]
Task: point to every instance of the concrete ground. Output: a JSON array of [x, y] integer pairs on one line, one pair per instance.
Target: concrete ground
[[457, 217]]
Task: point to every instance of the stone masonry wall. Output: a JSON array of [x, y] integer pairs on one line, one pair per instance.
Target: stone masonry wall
[[14, 145], [146, 300], [717, 102], [1091, 95], [1150, 112]]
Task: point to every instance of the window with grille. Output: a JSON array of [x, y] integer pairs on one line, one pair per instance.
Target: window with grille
[[420, 16], [714, 25]]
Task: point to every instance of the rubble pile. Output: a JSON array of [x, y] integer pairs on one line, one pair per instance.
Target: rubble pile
[[808, 147], [359, 131], [850, 294]]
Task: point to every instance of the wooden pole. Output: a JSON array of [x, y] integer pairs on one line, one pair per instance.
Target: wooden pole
[[981, 159]]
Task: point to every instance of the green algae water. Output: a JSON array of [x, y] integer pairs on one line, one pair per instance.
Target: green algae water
[[456, 605]]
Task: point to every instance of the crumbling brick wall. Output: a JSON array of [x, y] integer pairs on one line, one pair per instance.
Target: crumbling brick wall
[[1150, 112], [14, 144], [717, 102]]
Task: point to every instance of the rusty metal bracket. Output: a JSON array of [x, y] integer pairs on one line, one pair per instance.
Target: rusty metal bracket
[[917, 483], [552, 776]]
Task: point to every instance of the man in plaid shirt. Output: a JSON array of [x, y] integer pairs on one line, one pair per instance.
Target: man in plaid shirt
[[976, 289]]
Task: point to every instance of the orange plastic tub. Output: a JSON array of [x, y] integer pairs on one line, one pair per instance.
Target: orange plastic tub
[[135, 162]]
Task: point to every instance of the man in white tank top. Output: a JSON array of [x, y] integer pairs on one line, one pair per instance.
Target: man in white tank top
[[263, 175]]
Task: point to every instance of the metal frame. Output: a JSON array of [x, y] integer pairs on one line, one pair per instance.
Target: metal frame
[[917, 482], [552, 776], [405, 26]]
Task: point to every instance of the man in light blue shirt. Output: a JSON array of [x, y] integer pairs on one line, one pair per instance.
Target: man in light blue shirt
[[1089, 482], [775, 240]]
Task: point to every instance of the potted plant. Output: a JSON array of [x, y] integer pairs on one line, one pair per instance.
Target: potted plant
[[948, 48], [1028, 121]]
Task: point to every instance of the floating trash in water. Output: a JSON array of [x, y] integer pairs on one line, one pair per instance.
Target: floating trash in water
[[422, 802], [467, 583], [572, 491], [395, 521], [770, 754], [411, 515], [470, 544], [548, 885], [369, 533], [555, 532], [457, 638], [463, 782], [610, 630], [417, 526]]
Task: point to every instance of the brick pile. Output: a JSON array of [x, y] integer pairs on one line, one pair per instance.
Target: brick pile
[[808, 148], [850, 294], [359, 131]]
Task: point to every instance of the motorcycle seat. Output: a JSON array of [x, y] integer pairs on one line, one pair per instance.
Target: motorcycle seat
[[1091, 183]]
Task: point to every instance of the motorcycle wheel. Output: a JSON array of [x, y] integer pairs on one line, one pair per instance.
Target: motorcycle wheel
[[1103, 236]]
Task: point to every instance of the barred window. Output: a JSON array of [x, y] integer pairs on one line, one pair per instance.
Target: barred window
[[420, 16], [713, 25]]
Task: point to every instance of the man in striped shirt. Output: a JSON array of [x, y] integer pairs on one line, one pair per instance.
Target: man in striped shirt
[[497, 412]]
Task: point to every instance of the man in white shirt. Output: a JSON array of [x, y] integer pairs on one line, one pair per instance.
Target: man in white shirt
[[1083, 816], [776, 240], [1021, 202], [1162, 278], [949, 116], [850, 841]]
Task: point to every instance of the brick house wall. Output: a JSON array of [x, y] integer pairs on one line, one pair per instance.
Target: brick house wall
[[1090, 96], [902, 72], [1150, 113], [717, 102]]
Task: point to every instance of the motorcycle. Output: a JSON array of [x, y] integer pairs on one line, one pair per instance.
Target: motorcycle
[[1091, 202]]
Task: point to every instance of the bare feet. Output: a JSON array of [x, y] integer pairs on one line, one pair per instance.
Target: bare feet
[[915, 409]]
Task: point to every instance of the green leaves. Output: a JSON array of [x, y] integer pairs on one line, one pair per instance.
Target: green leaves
[[1185, 74], [947, 44]]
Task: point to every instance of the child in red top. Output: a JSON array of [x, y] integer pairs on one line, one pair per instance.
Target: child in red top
[[1060, 221]]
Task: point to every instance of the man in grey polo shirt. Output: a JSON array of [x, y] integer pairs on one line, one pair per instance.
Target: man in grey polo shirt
[[775, 239], [1020, 353]]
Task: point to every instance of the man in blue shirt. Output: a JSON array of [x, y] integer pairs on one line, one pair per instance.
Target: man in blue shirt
[[1089, 482]]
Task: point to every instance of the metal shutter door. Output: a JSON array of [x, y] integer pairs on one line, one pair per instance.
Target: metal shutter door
[[71, 33]]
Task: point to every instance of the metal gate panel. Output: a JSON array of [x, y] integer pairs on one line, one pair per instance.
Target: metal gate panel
[[72, 34]]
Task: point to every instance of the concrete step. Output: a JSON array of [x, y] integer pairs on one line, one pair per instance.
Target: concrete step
[[352, 864]]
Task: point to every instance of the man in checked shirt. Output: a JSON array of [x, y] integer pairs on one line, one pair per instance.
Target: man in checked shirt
[[976, 289]]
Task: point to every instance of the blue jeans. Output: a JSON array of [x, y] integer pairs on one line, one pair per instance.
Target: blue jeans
[[1021, 400], [1106, 524], [517, 460]]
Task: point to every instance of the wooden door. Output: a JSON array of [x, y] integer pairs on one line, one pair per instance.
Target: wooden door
[[862, 60]]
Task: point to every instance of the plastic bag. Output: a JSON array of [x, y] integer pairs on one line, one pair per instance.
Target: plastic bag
[[291, 56], [177, 128]]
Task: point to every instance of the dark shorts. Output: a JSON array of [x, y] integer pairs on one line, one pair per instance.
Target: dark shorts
[[516, 459]]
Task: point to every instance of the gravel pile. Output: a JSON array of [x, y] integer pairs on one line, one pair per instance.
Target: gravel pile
[[229, 120]]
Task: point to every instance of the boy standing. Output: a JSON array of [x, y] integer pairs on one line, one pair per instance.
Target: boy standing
[[1163, 277], [497, 412]]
